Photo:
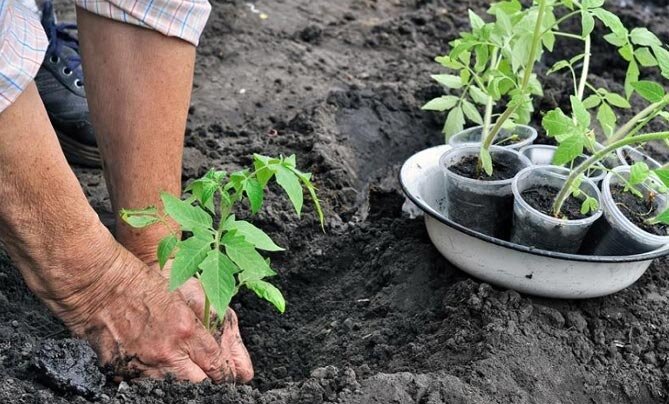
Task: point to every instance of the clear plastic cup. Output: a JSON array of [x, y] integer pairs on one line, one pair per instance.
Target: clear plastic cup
[[536, 229], [483, 206], [610, 161], [614, 234], [542, 155], [631, 155], [471, 136]]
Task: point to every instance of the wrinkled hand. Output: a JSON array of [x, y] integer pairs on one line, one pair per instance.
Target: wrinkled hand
[[142, 330], [231, 341]]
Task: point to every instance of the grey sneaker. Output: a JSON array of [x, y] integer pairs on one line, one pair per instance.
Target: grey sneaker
[[60, 83]]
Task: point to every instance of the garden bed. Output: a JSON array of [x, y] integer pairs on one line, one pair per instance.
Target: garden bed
[[374, 313]]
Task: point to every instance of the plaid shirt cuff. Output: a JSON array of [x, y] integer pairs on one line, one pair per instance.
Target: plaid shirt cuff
[[22, 47], [183, 19]]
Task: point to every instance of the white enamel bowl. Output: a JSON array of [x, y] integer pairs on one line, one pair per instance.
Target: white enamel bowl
[[509, 265]]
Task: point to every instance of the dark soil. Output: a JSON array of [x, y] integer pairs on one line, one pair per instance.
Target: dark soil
[[375, 314], [638, 210], [542, 197], [468, 167]]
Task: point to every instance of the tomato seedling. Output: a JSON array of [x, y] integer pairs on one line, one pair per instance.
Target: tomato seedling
[[495, 63], [639, 48], [225, 256]]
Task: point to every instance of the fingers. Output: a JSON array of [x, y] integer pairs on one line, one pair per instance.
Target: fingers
[[207, 354], [232, 346]]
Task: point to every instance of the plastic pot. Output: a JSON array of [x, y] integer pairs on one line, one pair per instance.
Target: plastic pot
[[510, 265], [540, 155], [483, 206], [614, 234], [610, 161], [471, 136], [536, 229], [630, 153]]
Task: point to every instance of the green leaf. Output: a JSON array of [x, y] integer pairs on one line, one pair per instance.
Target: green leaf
[[471, 112], [631, 77], [139, 221], [252, 234], [639, 172], [290, 161], [590, 204], [627, 52], [306, 180], [269, 292], [592, 3], [475, 21], [478, 96], [617, 100], [612, 22], [548, 39], [291, 184], [587, 23], [441, 103], [663, 175], [192, 252], [254, 191], [188, 216], [455, 122], [505, 7], [592, 101], [244, 254], [662, 217], [558, 124], [607, 119], [559, 65], [165, 248], [448, 80], [662, 56], [645, 57], [486, 161], [218, 280], [203, 189], [649, 90], [140, 218], [520, 51], [616, 40], [447, 62], [642, 36], [582, 115], [568, 150]]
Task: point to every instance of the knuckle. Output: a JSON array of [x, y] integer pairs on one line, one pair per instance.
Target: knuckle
[[184, 330]]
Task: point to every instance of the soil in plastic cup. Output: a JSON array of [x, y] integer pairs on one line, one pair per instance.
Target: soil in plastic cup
[[629, 155], [533, 228], [483, 206], [614, 234]]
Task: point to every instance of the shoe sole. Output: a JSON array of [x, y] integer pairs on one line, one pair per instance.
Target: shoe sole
[[79, 153]]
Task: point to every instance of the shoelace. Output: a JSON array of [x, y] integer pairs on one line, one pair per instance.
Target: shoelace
[[59, 36]]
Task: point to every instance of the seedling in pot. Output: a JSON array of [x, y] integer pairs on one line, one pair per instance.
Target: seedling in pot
[[225, 256], [494, 63], [575, 133]]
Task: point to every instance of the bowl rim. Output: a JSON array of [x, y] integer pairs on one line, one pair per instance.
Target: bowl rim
[[427, 209]]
